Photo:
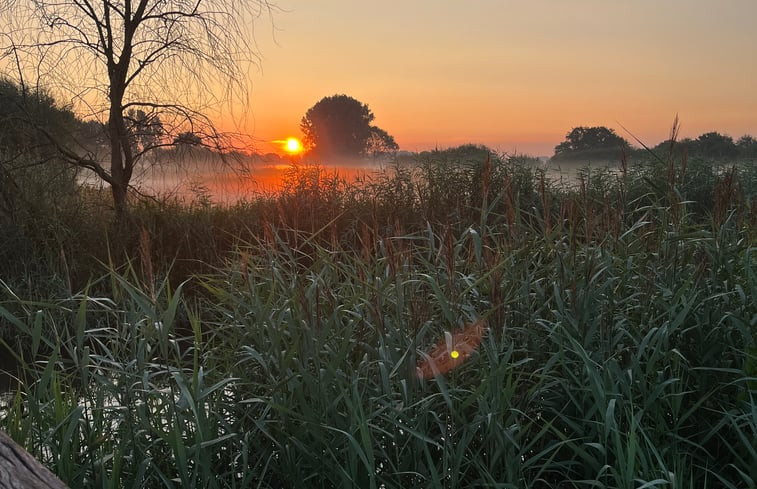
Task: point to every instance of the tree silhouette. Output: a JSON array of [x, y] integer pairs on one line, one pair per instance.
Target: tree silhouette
[[591, 143], [187, 139], [715, 145], [21, 109], [712, 145], [159, 60], [31, 183], [747, 146], [146, 129], [380, 142], [341, 126]]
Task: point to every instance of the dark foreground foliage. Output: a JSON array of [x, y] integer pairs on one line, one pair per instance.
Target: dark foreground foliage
[[274, 344]]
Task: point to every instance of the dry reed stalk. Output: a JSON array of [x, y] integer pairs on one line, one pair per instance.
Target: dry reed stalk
[[619, 216], [725, 192], [495, 280], [608, 215], [403, 247], [568, 218], [451, 351], [367, 242], [588, 211], [486, 176], [510, 211], [67, 270], [268, 233], [624, 163], [449, 255], [244, 259], [145, 258], [391, 255], [334, 235], [673, 139], [545, 204], [675, 201]]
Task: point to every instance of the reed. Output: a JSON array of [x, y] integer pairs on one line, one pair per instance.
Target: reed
[[619, 347]]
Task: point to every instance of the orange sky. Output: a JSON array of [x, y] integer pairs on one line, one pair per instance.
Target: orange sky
[[515, 77]]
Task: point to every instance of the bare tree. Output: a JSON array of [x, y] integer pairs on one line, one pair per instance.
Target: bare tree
[[180, 62]]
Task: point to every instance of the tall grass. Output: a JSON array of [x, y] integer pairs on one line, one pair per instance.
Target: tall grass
[[620, 350]]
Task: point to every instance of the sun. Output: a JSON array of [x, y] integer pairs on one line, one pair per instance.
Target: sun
[[292, 146]]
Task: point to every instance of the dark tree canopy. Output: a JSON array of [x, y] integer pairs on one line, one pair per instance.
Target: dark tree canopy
[[146, 129], [591, 143], [715, 145], [663, 147], [187, 139], [341, 126], [24, 113], [29, 175], [711, 145], [747, 146], [380, 142]]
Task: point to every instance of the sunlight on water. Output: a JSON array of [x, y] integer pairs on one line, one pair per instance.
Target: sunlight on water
[[230, 181], [201, 176]]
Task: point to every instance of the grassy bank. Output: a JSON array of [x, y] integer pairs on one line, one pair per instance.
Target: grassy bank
[[275, 343]]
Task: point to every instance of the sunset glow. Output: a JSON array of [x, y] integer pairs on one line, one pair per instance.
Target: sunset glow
[[514, 76], [292, 146]]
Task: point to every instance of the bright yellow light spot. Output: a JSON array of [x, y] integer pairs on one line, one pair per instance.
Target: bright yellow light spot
[[292, 145], [454, 354]]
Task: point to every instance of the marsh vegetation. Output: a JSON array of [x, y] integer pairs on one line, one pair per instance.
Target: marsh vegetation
[[274, 342]]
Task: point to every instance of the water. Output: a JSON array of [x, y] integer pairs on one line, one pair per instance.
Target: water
[[568, 172], [230, 181], [206, 177]]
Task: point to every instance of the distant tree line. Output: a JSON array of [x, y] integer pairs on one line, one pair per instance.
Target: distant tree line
[[600, 143], [714, 145]]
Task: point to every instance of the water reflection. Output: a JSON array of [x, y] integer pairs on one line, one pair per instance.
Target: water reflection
[[204, 176], [231, 179]]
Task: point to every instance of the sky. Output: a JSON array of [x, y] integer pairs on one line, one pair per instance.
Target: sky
[[513, 75]]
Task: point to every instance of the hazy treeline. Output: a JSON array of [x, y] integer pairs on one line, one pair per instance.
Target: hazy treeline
[[602, 143]]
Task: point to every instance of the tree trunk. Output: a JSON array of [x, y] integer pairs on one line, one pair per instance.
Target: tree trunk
[[120, 182], [19, 470], [120, 203], [120, 157]]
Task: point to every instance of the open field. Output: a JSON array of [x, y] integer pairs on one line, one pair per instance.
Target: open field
[[274, 343]]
